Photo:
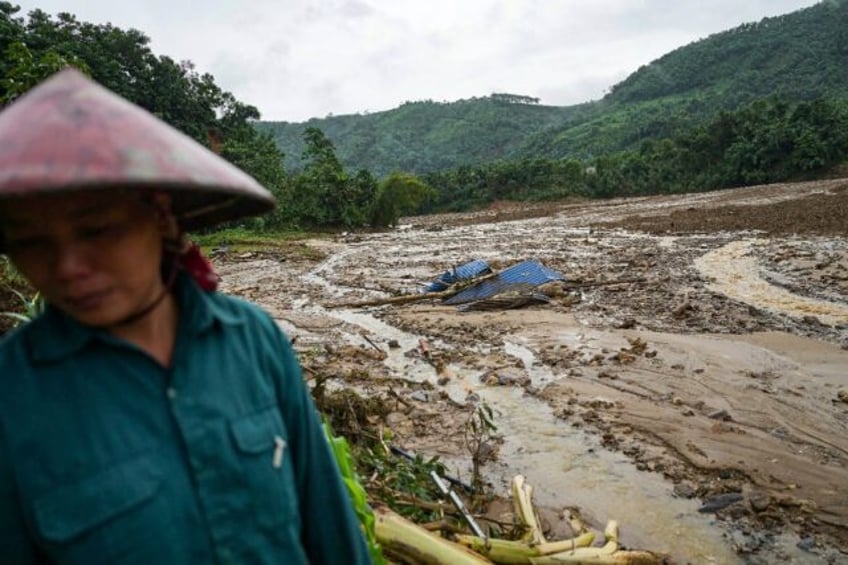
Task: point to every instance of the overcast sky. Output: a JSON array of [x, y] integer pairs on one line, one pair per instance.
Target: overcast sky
[[297, 59]]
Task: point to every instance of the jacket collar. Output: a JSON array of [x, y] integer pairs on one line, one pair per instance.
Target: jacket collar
[[55, 336]]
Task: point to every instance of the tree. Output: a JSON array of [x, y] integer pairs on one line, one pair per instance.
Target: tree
[[399, 194]]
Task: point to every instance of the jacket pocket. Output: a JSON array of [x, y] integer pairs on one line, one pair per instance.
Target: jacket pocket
[[68, 512], [259, 432], [267, 472]]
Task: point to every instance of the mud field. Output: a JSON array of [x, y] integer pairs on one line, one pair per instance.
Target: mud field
[[689, 379]]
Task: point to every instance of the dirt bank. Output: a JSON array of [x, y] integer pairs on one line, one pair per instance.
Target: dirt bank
[[716, 382]]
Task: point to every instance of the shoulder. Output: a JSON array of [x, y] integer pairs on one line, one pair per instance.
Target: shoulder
[[13, 346], [237, 311], [16, 363], [233, 307]]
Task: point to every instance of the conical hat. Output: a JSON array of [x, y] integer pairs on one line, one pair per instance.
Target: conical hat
[[70, 133]]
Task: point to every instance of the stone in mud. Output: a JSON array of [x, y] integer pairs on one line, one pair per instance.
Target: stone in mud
[[626, 324], [807, 544], [504, 377], [812, 320], [722, 415], [684, 490], [681, 310], [393, 344], [720, 502], [759, 501], [420, 396]]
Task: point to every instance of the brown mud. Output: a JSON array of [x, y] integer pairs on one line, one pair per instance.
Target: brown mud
[[702, 401]]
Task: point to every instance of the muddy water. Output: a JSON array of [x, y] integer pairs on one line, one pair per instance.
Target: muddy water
[[567, 467], [734, 272], [786, 425]]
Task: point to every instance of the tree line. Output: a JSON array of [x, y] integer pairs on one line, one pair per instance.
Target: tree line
[[321, 195], [769, 140]]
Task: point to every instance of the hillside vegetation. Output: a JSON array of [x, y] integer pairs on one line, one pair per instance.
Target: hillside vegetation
[[322, 194], [761, 103], [427, 136], [799, 56]]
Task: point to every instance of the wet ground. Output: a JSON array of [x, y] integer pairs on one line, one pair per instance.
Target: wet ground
[[689, 379]]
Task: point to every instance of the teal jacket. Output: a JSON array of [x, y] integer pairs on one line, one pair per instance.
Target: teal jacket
[[108, 457]]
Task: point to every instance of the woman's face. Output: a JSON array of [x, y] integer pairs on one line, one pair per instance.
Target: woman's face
[[94, 255]]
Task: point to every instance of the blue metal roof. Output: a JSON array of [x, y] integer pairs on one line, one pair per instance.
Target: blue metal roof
[[527, 274], [464, 272]]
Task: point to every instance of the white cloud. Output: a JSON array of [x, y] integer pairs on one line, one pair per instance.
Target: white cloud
[[296, 59]]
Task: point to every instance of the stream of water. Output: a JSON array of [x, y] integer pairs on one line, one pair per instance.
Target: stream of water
[[567, 467]]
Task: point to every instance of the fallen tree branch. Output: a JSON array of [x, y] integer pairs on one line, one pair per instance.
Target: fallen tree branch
[[588, 284], [403, 299], [456, 288]]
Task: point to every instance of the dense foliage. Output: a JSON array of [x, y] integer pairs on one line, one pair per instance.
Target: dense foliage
[[33, 47], [321, 195], [702, 117], [770, 140], [799, 56], [426, 136]]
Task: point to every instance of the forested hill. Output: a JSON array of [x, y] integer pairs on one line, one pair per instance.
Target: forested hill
[[426, 136], [802, 55], [798, 56]]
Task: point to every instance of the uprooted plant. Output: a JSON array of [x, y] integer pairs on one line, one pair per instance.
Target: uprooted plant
[[480, 441]]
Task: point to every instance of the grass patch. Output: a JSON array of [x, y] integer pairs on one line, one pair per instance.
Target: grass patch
[[240, 240]]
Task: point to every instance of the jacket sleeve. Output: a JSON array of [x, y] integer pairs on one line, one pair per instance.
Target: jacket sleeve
[[331, 531], [16, 545]]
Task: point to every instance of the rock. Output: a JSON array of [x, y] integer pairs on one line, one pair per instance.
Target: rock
[[722, 415], [508, 376], [393, 344], [420, 396], [746, 543], [842, 396], [681, 309], [626, 324], [807, 544], [395, 418], [443, 380], [779, 432], [759, 501], [720, 502], [684, 490], [736, 512]]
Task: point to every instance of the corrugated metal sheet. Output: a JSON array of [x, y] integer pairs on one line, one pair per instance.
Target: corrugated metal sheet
[[464, 272], [524, 275]]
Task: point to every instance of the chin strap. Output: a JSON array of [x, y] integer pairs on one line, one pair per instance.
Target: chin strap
[[180, 254], [186, 257]]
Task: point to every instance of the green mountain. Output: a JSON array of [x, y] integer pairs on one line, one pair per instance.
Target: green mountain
[[798, 56], [427, 136]]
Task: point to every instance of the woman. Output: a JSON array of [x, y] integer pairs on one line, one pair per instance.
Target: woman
[[145, 418]]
